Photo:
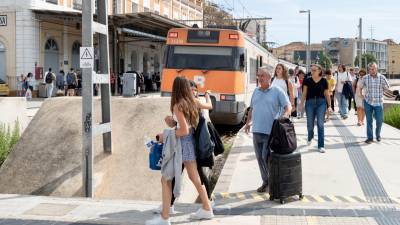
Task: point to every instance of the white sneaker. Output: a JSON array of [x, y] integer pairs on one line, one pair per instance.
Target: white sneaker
[[159, 209], [158, 221], [202, 214], [322, 150], [212, 203], [309, 142]]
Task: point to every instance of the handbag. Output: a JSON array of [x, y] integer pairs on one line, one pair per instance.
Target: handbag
[[155, 156]]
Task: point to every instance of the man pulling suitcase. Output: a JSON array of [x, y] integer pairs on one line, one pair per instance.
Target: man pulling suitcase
[[266, 104]]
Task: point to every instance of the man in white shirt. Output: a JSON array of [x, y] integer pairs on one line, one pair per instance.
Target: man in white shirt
[[341, 77]]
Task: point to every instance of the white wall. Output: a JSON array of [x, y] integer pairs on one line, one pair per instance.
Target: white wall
[[13, 109], [27, 41]]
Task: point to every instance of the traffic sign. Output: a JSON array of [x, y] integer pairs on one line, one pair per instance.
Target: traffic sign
[[86, 57]]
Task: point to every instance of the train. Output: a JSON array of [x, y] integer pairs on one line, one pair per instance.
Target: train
[[224, 61]]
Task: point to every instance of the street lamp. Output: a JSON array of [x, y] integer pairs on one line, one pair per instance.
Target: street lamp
[[309, 43]]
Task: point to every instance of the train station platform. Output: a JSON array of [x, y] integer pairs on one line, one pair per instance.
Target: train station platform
[[352, 183], [351, 180]]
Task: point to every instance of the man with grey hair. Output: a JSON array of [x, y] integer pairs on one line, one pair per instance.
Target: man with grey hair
[[373, 86], [266, 105]]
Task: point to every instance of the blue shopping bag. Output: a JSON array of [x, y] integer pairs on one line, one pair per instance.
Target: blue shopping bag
[[155, 156]]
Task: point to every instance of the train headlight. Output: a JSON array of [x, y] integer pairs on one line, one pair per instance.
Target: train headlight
[[227, 97]]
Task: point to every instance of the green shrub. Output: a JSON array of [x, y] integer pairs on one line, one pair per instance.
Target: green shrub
[[8, 139], [392, 116]]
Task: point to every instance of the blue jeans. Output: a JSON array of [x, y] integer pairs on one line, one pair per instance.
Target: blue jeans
[[260, 142], [316, 108], [343, 104], [378, 114]]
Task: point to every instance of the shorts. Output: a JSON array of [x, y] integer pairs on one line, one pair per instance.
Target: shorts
[[187, 143], [71, 86], [359, 101]]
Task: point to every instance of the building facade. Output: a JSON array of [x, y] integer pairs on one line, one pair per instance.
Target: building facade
[[295, 52], [393, 58], [39, 34], [345, 50]]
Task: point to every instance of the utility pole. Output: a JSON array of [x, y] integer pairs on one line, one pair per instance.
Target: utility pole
[[90, 77], [361, 44], [372, 31], [308, 60]]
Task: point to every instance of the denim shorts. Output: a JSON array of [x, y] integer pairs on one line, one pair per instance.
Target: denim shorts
[[187, 143]]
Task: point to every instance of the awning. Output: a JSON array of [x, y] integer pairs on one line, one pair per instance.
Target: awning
[[143, 25], [147, 22]]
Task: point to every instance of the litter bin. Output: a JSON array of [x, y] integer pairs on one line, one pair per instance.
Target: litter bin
[[42, 90], [129, 84]]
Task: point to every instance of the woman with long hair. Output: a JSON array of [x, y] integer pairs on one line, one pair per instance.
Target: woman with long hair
[[281, 79], [341, 78], [316, 95], [358, 97], [186, 114]]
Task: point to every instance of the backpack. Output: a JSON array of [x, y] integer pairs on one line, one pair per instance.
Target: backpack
[[71, 79], [219, 146], [282, 139], [204, 146], [49, 78]]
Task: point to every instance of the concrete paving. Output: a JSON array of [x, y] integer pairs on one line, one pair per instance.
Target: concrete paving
[[352, 183], [351, 179]]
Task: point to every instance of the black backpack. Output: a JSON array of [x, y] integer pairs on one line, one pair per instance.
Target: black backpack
[[49, 78], [282, 139], [219, 146], [203, 143]]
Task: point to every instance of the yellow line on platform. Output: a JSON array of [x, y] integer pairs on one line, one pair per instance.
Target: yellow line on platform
[[256, 196], [350, 199], [240, 196], [318, 198], [333, 198]]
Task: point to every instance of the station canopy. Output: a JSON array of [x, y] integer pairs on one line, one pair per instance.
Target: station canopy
[[136, 26]]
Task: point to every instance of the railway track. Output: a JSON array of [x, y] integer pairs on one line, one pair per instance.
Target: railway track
[[228, 134]]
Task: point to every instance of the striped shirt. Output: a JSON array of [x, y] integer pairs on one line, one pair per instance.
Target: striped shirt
[[374, 88]]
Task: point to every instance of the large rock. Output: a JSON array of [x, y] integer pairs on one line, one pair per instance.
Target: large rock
[[48, 158]]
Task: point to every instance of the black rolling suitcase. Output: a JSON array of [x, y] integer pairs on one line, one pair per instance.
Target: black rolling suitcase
[[285, 176]]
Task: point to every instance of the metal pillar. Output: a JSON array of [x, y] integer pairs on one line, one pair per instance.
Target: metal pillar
[[309, 42], [90, 77], [361, 45]]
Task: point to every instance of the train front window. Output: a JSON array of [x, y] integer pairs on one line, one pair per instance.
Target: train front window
[[204, 58]]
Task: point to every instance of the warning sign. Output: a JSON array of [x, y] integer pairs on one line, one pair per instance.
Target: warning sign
[[86, 57]]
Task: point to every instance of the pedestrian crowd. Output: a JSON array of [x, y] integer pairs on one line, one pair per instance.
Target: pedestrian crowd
[[280, 94]]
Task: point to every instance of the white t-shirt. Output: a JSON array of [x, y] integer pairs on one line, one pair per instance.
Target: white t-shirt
[[281, 83], [339, 77]]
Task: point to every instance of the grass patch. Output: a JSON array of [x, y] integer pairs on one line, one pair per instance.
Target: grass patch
[[392, 116], [8, 139]]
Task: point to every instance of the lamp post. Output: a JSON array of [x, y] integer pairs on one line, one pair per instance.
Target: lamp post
[[308, 60]]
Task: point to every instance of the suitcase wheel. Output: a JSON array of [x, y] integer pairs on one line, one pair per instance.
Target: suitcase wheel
[[271, 198], [301, 196], [282, 201]]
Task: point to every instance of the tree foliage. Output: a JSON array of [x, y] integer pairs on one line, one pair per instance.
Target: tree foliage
[[325, 61], [370, 59], [215, 15]]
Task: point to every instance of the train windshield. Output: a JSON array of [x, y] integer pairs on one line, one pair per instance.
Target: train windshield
[[204, 58]]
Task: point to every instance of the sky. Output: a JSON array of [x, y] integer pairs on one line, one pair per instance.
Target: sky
[[333, 18]]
